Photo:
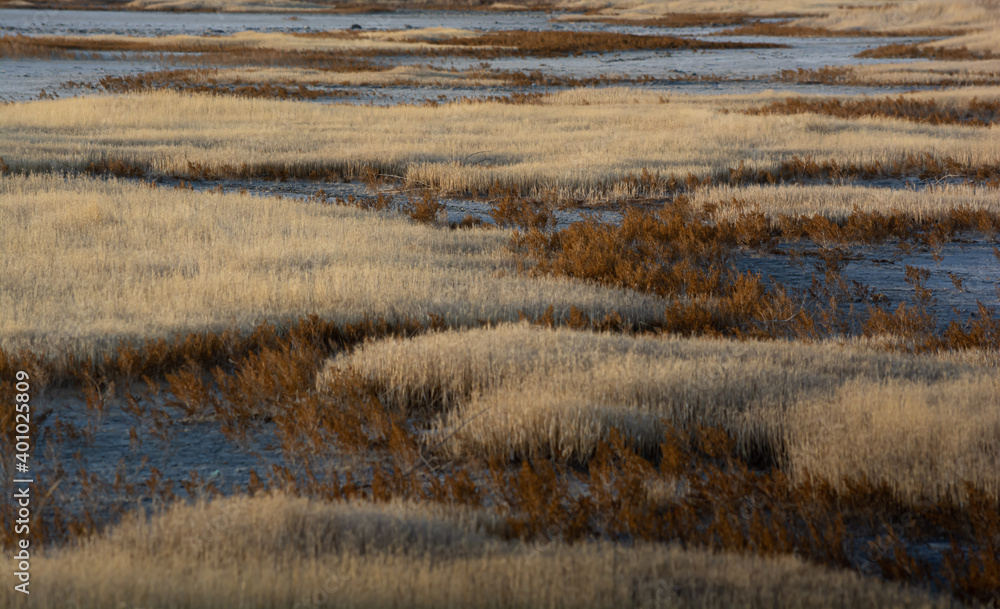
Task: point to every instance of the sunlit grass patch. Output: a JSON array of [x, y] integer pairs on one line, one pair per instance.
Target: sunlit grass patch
[[527, 392], [583, 144], [839, 202], [123, 260]]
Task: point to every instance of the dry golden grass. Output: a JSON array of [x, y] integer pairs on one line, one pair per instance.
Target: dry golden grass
[[838, 202], [279, 551], [524, 391], [117, 260], [922, 437], [866, 16], [577, 142], [256, 47], [979, 18], [915, 16], [976, 22], [983, 42], [328, 42]]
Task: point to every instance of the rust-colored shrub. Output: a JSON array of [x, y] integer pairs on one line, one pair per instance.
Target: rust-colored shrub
[[923, 51], [426, 209], [548, 43]]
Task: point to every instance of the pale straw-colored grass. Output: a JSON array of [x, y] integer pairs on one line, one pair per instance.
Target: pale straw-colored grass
[[271, 552], [839, 201], [521, 390], [344, 42], [924, 438], [112, 259], [912, 16], [576, 142]]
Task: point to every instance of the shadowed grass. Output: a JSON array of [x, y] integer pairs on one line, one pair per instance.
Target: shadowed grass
[[367, 555]]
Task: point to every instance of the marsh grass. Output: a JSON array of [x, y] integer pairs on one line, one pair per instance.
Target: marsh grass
[[839, 202], [354, 552], [682, 251], [426, 463], [924, 51], [203, 81], [529, 392], [702, 486], [329, 49], [980, 113], [713, 485], [502, 393], [563, 43], [917, 74], [606, 138], [139, 261]]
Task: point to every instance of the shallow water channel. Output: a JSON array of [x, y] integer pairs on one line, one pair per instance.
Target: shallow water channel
[[738, 70]]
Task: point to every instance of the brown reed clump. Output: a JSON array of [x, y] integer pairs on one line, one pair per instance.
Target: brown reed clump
[[829, 75], [883, 74], [645, 184], [683, 253], [425, 210], [186, 354], [117, 167], [205, 51], [562, 43], [513, 211], [976, 112], [215, 51], [191, 81], [923, 51]]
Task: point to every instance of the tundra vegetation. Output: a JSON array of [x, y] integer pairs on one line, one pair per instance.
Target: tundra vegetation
[[509, 408]]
